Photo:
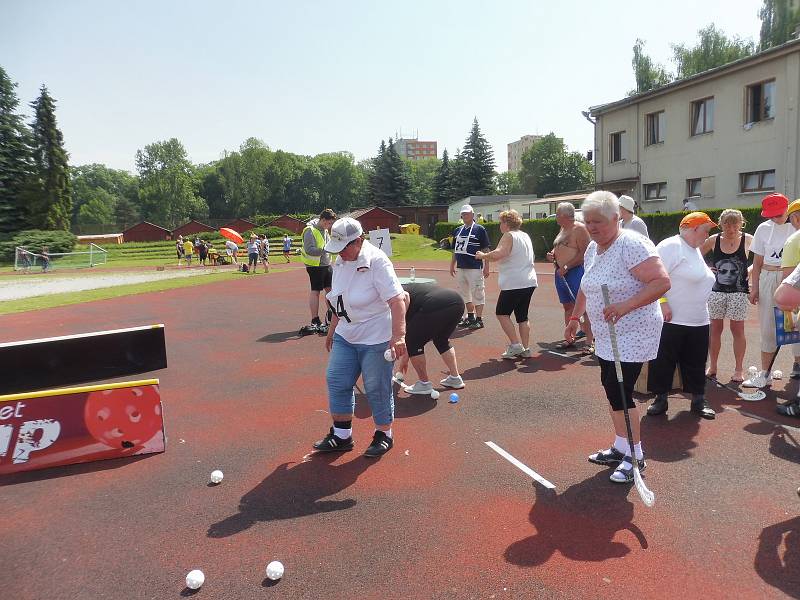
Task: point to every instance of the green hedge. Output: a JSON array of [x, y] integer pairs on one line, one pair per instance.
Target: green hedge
[[34, 239], [660, 226]]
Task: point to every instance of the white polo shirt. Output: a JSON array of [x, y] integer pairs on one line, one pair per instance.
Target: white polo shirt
[[691, 281], [360, 292], [769, 239]]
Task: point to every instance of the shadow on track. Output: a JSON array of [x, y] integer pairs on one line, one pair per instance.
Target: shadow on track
[[777, 559], [580, 523], [282, 336], [294, 491], [69, 470], [670, 439], [782, 443]]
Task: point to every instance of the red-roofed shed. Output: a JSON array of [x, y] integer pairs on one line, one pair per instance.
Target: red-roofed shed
[[240, 225], [191, 228], [146, 232], [288, 222], [376, 217]]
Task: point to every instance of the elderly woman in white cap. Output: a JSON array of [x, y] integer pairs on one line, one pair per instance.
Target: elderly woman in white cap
[[628, 218], [369, 309], [629, 265]]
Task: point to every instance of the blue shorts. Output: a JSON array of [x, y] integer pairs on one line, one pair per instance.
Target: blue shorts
[[573, 279]]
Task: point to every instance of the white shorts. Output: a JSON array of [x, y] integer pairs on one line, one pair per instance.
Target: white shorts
[[471, 285], [733, 306]]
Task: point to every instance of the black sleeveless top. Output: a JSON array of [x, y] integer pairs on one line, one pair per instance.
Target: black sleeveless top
[[730, 269]]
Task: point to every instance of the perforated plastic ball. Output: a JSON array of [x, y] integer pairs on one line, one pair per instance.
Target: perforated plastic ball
[[777, 374], [195, 579], [453, 398], [435, 394], [275, 570], [216, 476]]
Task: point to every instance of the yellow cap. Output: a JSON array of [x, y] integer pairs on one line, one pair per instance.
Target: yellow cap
[[793, 207]]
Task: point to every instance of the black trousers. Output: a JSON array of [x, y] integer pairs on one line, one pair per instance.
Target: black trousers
[[686, 347]]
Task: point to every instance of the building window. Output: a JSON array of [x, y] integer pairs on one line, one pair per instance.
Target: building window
[[692, 188], [757, 181], [655, 128], [760, 101], [703, 116], [616, 146], [655, 191]]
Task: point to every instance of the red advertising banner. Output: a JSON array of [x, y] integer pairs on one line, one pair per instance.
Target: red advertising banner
[[80, 424]]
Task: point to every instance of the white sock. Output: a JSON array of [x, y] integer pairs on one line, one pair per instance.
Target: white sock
[[637, 448], [342, 434], [621, 444], [388, 433]]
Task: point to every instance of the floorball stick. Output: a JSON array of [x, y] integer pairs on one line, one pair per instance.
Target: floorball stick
[[645, 494]]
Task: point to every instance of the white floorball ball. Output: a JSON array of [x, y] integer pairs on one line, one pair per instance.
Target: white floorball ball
[[777, 374], [195, 579], [275, 570], [753, 371], [216, 476], [435, 395], [399, 376]]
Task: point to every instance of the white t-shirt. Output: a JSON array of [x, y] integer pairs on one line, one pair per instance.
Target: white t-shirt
[[769, 239], [231, 247], [635, 224], [360, 291], [691, 281], [516, 270], [638, 332]]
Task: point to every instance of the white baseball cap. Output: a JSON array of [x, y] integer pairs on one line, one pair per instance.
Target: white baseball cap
[[343, 231], [466, 209], [627, 203]]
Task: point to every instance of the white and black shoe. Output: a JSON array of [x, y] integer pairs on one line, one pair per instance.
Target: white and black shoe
[[789, 410], [624, 471], [333, 443], [763, 379], [381, 444], [608, 457]]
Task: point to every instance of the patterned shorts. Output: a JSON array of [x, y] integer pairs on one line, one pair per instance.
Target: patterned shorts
[[733, 306]]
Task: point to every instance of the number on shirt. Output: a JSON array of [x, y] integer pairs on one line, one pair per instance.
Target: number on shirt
[[460, 245]]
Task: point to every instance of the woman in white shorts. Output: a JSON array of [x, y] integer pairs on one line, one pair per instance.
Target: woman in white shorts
[[729, 296]]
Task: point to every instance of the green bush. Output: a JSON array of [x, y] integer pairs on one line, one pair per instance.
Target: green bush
[[663, 225], [34, 239], [272, 231]]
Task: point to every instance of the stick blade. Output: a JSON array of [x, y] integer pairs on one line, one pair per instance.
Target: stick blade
[[648, 497]]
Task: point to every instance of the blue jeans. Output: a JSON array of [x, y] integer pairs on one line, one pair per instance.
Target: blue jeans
[[346, 363]]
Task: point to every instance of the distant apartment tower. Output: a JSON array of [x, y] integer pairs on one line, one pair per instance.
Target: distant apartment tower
[[518, 148], [414, 149]]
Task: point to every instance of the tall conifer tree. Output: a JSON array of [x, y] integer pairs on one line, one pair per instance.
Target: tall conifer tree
[[15, 158], [478, 157], [441, 183], [52, 195]]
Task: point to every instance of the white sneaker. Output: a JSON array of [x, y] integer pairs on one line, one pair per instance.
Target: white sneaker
[[763, 379], [455, 383], [526, 353], [513, 351], [419, 388]]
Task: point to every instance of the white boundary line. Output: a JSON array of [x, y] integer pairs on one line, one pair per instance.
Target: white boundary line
[[521, 466]]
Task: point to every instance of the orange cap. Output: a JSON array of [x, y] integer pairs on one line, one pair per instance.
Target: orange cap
[[695, 219]]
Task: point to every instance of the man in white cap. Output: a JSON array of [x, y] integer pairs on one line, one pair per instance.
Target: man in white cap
[[628, 218], [469, 272]]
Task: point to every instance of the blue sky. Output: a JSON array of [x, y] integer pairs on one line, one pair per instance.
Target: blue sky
[[322, 76]]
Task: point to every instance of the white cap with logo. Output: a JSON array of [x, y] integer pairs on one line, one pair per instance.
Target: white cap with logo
[[466, 209], [343, 231]]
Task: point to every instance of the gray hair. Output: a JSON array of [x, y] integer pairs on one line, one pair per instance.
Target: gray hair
[[606, 203], [566, 209]]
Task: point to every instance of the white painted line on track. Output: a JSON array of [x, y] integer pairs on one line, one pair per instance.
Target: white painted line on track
[[521, 466], [757, 418]]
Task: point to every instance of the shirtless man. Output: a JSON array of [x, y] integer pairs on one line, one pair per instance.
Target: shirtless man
[[568, 250]]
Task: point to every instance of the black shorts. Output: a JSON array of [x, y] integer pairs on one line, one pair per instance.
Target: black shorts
[[608, 377], [516, 301], [436, 326], [320, 277]]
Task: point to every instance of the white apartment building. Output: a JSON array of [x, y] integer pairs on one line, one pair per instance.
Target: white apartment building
[[518, 148], [724, 138]]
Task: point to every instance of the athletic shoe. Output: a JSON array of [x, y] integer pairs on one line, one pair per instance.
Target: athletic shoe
[[333, 443], [465, 321], [624, 474], [423, 389], [526, 353], [453, 382], [763, 379], [381, 444], [309, 329], [700, 407], [476, 324], [659, 405], [322, 329], [513, 351], [611, 456], [795, 374], [580, 335], [789, 410]]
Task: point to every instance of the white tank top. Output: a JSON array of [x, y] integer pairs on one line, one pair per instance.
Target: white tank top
[[516, 271]]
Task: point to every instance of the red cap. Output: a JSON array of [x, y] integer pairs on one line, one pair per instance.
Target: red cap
[[774, 205]]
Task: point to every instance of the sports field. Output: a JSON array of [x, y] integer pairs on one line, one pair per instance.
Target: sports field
[[442, 515]]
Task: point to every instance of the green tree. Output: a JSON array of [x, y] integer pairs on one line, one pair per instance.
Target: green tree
[[16, 161], [389, 184], [648, 75], [508, 183], [51, 194], [421, 175], [713, 49], [779, 19], [547, 168], [126, 213], [458, 184], [166, 186], [478, 168], [98, 209], [442, 194], [339, 185], [86, 179]]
